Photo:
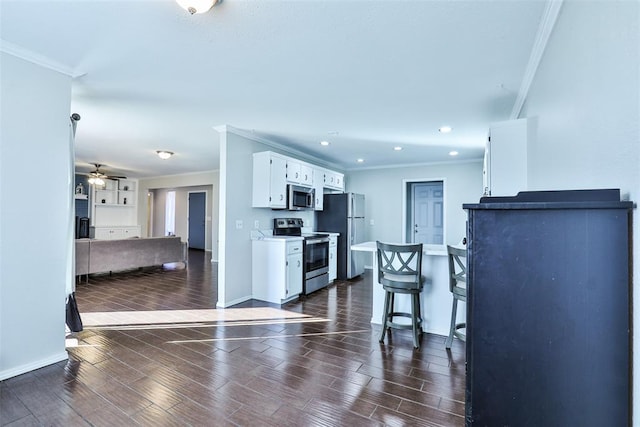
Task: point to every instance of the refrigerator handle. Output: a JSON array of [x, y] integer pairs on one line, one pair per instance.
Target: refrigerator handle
[[352, 206], [353, 233]]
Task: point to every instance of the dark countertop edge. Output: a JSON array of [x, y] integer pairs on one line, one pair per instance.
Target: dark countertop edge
[[550, 205]]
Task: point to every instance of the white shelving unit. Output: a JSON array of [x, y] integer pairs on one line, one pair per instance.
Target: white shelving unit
[[114, 213]]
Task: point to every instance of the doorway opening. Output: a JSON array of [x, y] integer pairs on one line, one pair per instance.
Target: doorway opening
[[196, 217], [424, 212]]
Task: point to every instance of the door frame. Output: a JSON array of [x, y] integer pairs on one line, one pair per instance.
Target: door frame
[[206, 199], [405, 198]]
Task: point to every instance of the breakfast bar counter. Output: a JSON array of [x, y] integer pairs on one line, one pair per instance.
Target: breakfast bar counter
[[436, 299]]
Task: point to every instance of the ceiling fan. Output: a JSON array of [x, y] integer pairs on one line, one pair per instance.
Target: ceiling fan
[[97, 177]]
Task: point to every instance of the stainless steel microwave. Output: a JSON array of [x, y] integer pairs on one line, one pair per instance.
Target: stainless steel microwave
[[300, 198]]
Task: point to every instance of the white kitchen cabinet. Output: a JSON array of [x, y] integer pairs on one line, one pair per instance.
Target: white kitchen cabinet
[[306, 174], [272, 172], [318, 185], [269, 180], [333, 257], [299, 172], [505, 163], [294, 270], [334, 180], [114, 232], [277, 269], [293, 171]]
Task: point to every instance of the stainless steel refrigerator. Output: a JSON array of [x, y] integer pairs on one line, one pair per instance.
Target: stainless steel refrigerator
[[344, 213]]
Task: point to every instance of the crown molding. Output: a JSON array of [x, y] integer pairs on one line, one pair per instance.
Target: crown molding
[[36, 58], [414, 165], [301, 155], [547, 23]]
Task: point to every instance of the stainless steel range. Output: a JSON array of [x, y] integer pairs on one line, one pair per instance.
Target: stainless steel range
[[315, 253]]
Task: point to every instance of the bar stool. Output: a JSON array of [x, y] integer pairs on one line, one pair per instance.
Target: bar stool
[[458, 287], [400, 272]]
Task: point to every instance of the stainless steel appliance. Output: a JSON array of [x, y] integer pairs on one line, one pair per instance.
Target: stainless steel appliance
[[315, 253], [344, 213], [300, 198]]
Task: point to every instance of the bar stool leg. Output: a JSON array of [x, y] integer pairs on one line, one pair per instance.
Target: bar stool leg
[[452, 328], [419, 319], [385, 314]]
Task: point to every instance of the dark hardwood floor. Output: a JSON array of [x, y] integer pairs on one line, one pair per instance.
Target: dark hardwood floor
[[311, 362]]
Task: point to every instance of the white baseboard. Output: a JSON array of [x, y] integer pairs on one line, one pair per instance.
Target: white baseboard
[[23, 369], [219, 304]]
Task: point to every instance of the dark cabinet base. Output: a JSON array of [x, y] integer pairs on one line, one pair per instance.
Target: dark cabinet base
[[548, 314]]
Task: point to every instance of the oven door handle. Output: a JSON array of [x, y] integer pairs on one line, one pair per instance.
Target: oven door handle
[[316, 241]]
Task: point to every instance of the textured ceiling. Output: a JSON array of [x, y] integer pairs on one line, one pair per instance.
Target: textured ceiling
[[364, 75]]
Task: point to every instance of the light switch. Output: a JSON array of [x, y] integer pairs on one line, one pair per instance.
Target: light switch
[[256, 224], [239, 224], [371, 222]]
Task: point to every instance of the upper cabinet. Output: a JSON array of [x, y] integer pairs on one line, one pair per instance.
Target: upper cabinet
[[269, 180], [334, 180], [272, 172], [318, 185], [299, 173]]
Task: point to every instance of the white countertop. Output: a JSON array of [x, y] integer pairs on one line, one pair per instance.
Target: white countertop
[[267, 235], [433, 250]]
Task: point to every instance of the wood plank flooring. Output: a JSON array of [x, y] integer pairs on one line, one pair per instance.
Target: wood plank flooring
[[314, 362]]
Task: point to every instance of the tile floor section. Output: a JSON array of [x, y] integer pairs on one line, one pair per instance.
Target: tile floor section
[[156, 352]]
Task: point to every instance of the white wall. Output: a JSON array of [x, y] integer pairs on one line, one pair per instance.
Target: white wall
[[384, 188], [205, 181], [182, 211], [585, 100], [34, 135]]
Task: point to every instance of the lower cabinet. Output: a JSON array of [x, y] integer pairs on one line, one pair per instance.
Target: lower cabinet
[[277, 269], [114, 232]]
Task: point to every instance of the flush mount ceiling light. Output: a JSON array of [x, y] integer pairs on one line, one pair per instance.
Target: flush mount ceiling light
[[164, 155], [360, 160], [453, 153], [324, 143], [397, 148], [445, 129], [196, 6]]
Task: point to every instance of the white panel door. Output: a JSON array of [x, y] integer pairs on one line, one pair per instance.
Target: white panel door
[[428, 220]]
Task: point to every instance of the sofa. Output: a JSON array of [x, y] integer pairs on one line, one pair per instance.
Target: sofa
[[99, 256]]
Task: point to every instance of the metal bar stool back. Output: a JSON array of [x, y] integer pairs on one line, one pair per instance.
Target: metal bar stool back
[[400, 272], [458, 287]]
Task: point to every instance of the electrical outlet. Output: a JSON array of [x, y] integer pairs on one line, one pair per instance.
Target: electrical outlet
[[256, 224], [239, 224]]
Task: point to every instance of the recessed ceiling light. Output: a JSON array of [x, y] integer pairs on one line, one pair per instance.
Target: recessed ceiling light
[[325, 143], [164, 155], [397, 148], [445, 129], [360, 160], [453, 153]]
